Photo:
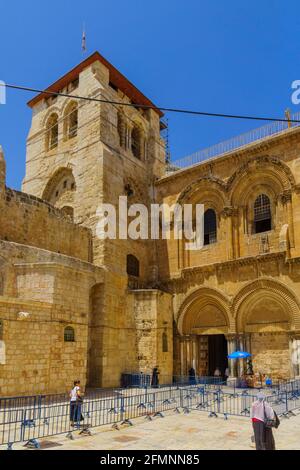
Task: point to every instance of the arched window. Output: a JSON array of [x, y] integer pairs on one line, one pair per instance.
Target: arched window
[[52, 132], [136, 146], [69, 335], [61, 185], [71, 121], [133, 266], [210, 227], [262, 214]]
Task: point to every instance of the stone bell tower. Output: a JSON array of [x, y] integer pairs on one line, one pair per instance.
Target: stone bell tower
[[84, 153], [81, 154]]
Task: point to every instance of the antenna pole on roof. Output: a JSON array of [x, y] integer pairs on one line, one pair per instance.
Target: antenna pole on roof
[[288, 117], [83, 43]]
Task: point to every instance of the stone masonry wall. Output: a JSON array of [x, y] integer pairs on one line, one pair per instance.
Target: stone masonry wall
[[27, 220], [42, 294]]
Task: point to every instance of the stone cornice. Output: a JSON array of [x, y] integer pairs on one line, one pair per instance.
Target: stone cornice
[[37, 310], [89, 269], [28, 303], [189, 273]]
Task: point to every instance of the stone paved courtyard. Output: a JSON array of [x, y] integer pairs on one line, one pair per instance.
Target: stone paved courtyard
[[178, 431]]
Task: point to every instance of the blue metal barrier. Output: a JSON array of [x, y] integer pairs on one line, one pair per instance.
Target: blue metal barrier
[[28, 419]]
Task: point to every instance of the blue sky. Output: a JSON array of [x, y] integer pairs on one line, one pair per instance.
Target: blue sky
[[221, 56]]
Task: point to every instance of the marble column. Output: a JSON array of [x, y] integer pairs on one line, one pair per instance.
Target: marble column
[[182, 356], [194, 362], [186, 352], [231, 346], [227, 217], [286, 199], [241, 347]]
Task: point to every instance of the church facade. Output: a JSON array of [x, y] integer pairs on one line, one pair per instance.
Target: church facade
[[73, 305]]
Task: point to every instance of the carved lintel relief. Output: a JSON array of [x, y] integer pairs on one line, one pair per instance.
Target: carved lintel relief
[[286, 196], [228, 212]]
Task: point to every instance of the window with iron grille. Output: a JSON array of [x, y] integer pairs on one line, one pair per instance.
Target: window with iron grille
[[52, 134], [73, 122], [262, 214], [69, 335], [210, 227]]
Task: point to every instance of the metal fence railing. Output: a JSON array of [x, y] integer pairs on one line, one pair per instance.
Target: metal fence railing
[[237, 142], [142, 380], [28, 419]]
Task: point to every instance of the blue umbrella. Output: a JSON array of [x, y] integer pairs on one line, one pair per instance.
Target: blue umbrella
[[239, 355]]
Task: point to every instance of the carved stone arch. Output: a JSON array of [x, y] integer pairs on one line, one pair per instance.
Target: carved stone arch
[[136, 120], [264, 170], [193, 307], [264, 290], [52, 131], [68, 103], [52, 110], [207, 187], [59, 178], [70, 119]]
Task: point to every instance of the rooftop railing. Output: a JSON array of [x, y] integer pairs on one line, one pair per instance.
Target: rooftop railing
[[238, 142]]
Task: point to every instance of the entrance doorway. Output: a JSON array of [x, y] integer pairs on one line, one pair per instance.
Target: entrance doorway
[[217, 354]]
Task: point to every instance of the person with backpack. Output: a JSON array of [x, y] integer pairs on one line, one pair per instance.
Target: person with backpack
[[76, 401], [264, 419]]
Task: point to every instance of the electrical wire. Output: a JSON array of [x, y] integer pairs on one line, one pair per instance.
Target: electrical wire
[[144, 106]]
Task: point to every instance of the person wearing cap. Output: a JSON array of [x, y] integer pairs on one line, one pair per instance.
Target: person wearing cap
[[260, 412]]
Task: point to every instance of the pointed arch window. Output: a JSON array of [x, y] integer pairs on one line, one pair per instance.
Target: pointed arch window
[[72, 121], [210, 227], [262, 214], [52, 132]]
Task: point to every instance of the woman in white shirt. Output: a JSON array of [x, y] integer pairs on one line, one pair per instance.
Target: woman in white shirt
[[75, 397]]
